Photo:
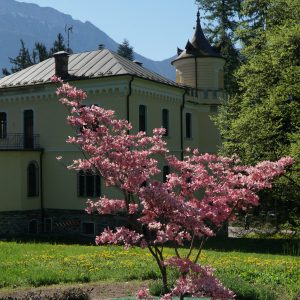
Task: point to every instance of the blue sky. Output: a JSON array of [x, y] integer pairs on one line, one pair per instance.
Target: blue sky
[[154, 28]]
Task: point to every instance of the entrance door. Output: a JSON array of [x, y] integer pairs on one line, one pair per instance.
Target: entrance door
[[28, 129]]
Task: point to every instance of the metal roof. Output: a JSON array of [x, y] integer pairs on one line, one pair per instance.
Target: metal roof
[[92, 64], [199, 45]]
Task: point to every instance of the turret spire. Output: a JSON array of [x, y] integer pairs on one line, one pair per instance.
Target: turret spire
[[199, 45], [199, 65], [198, 17]]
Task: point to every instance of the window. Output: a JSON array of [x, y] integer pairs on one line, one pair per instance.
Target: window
[[28, 129], [3, 125], [165, 121], [33, 179], [89, 184], [142, 118], [88, 228], [188, 125], [166, 172]]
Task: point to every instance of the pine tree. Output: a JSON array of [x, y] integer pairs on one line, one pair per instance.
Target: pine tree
[[5, 72], [58, 45], [39, 53], [126, 50], [22, 60], [42, 52], [223, 17]]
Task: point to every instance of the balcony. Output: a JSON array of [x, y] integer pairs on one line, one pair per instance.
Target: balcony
[[18, 141]]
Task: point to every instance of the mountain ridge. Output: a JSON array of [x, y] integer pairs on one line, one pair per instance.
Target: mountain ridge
[[32, 23]]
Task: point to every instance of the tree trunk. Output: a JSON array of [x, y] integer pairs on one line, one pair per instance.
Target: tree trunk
[[164, 280]]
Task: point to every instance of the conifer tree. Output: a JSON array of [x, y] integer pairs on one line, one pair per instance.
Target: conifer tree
[[22, 60], [58, 45], [39, 53], [223, 17], [42, 52], [126, 50]]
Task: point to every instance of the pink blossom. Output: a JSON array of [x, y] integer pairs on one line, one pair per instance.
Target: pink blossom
[[105, 206], [56, 79], [133, 207], [197, 281], [120, 236], [144, 294], [166, 297], [202, 192]]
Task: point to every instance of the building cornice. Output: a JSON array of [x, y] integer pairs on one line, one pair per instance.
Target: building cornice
[[98, 86]]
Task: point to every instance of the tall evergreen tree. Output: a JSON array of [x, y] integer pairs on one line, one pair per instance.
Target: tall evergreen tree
[[262, 122], [5, 72], [126, 50], [41, 52], [222, 17], [58, 45], [22, 60], [25, 58]]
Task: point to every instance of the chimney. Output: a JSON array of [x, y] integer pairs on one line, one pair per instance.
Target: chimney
[[138, 63], [61, 64]]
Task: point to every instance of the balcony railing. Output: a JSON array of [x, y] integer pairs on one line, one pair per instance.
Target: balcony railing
[[18, 141], [207, 94]]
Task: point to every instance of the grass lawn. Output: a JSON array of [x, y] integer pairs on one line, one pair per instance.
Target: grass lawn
[[30, 264]]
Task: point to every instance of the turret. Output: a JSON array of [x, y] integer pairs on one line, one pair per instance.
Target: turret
[[199, 65]]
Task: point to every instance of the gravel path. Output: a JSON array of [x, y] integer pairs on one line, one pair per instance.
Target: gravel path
[[98, 291]]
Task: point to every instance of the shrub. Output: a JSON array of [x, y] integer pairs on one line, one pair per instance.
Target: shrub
[[247, 291]]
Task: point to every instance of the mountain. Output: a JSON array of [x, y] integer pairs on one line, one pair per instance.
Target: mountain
[[33, 23]]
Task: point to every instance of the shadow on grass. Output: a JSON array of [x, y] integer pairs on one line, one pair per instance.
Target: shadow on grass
[[220, 243], [255, 245]]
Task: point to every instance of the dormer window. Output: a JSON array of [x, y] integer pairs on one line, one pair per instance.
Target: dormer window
[[3, 125]]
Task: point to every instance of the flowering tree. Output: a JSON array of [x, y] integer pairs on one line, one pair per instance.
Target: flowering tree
[[199, 195]]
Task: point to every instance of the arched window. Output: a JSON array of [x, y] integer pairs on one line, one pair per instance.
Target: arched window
[[33, 179]]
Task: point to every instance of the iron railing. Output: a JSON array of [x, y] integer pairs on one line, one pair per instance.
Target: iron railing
[[18, 141], [207, 93]]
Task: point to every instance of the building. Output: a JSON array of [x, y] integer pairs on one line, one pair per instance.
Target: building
[[37, 193]]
